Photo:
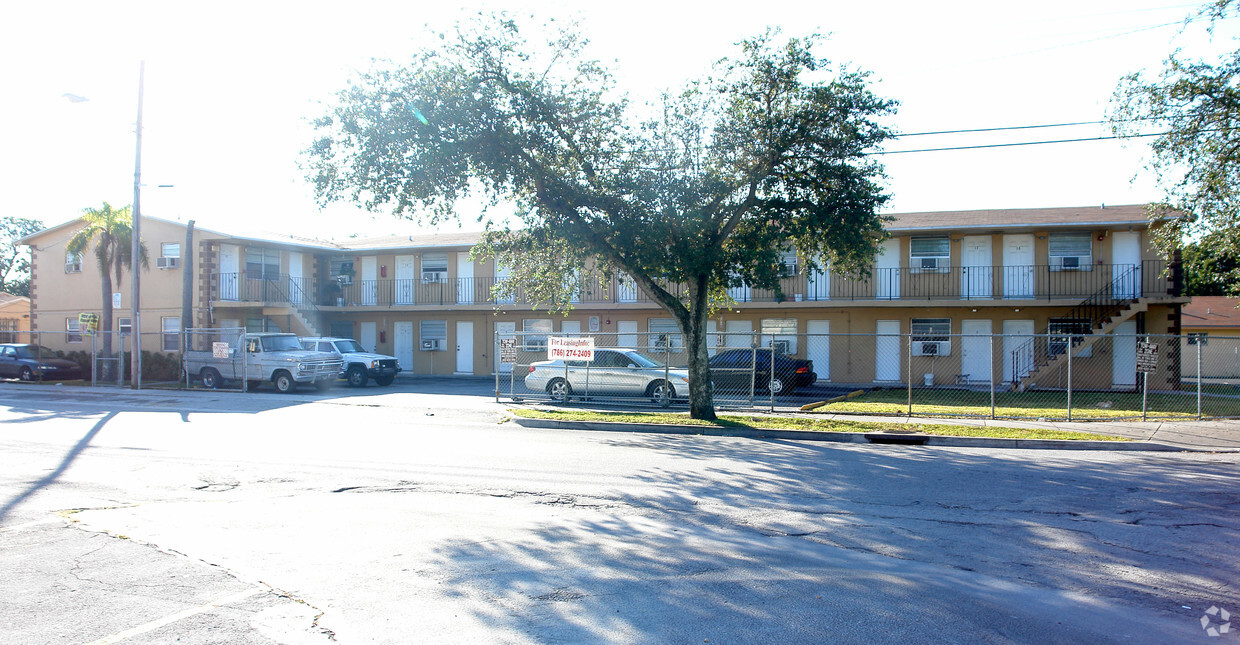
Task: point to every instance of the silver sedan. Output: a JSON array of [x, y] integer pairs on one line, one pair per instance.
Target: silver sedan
[[615, 372]]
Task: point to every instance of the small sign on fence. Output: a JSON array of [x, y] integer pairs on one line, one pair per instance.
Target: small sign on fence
[[88, 323], [1147, 357], [508, 350], [219, 350], [574, 349]]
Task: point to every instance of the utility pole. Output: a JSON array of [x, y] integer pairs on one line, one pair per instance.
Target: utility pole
[[135, 375]]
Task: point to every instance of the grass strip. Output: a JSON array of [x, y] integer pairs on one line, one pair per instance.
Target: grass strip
[[811, 424], [1030, 405]]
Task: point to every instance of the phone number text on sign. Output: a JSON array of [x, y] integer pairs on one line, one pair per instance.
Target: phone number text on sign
[[570, 349]]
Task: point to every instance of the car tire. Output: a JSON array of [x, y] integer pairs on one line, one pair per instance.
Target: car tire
[[27, 374], [283, 381], [777, 385], [210, 378], [560, 390], [384, 380], [356, 376], [661, 393]]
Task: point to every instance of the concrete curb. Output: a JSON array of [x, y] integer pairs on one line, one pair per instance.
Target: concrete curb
[[884, 438]]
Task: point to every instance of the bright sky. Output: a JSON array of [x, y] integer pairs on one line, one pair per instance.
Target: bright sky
[[230, 87]]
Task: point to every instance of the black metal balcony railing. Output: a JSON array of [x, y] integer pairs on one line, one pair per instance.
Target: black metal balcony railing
[[1039, 282]]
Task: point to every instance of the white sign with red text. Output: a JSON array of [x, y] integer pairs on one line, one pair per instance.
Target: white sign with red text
[[570, 348]]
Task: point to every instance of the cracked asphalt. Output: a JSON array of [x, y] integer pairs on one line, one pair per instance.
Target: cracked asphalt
[[423, 517]]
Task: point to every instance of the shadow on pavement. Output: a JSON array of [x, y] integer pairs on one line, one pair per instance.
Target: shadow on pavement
[[51, 477]]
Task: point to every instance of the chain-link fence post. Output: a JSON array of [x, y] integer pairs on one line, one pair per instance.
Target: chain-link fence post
[[94, 360], [499, 362], [1071, 350], [753, 368], [909, 375], [991, 377], [1199, 342], [1145, 389]]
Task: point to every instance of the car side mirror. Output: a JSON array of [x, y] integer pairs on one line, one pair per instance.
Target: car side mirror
[[632, 366]]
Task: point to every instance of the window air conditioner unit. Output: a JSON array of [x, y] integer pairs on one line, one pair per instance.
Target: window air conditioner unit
[[1070, 263], [931, 348], [433, 276], [432, 345], [167, 263], [344, 280]]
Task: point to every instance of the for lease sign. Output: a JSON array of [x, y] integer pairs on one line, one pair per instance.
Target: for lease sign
[[570, 349]]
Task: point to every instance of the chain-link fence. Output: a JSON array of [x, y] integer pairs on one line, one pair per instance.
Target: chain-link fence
[[1065, 375]]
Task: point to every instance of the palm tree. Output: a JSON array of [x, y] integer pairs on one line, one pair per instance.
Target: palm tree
[[111, 230]]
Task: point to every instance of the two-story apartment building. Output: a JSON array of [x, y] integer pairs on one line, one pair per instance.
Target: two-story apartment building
[[940, 279]]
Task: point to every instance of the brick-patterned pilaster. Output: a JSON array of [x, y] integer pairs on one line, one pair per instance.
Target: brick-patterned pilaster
[[208, 263]]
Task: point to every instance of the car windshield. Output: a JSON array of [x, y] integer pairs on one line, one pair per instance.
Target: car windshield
[[641, 360], [280, 344], [349, 347]]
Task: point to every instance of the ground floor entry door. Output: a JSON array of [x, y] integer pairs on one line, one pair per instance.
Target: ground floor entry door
[[369, 336], [1124, 355], [975, 358], [739, 333], [818, 347], [464, 347], [402, 332], [887, 350]]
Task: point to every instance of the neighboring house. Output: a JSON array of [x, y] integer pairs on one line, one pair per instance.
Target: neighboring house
[[1211, 324], [14, 318], [1038, 275]]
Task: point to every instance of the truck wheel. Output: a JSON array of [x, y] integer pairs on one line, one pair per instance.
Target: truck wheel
[[356, 376], [210, 378], [384, 380], [283, 381]]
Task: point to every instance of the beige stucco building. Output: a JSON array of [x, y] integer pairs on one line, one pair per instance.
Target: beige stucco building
[[1028, 273]]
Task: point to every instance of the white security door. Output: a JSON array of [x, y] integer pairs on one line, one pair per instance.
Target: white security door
[[369, 336], [503, 331], [819, 284], [464, 279], [976, 272], [402, 332], [406, 279], [501, 275], [887, 350], [627, 333], [1018, 266], [818, 347], [1018, 340], [230, 271], [741, 293], [1124, 355], [739, 333], [626, 288], [975, 359], [370, 280], [296, 287], [887, 271], [464, 347], [1126, 264]]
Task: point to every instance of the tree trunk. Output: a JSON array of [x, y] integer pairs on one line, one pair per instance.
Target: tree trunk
[[105, 321], [701, 392]]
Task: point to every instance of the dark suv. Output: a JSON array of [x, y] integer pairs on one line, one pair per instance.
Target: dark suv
[[730, 371]]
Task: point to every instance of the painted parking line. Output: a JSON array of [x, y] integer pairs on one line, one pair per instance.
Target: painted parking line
[[172, 618]]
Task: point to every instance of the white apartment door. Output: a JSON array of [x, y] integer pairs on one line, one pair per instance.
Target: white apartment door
[[503, 331], [1018, 340], [1018, 266], [887, 350], [1124, 355], [713, 340], [370, 280], [402, 332], [626, 333], [296, 286], [406, 279], [818, 284], [976, 362], [976, 272], [464, 347], [818, 347], [501, 275], [570, 328], [887, 271], [230, 271], [739, 333], [369, 336], [1126, 264], [464, 279]]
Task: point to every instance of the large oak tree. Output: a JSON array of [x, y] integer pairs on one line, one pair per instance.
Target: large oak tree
[[699, 192]]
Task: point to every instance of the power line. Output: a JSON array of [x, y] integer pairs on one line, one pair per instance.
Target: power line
[[1012, 145], [1011, 127]]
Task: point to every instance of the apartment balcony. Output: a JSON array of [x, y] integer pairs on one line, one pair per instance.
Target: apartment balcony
[[1150, 279]]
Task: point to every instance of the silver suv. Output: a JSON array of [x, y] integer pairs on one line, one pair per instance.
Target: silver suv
[[359, 364]]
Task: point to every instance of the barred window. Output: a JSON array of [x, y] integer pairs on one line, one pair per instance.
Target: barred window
[[434, 335], [665, 335], [931, 329], [170, 326]]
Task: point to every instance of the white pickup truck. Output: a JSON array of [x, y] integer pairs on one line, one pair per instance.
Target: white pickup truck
[[278, 358]]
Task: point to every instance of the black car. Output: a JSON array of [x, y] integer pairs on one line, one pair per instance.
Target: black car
[[28, 362], [730, 371]]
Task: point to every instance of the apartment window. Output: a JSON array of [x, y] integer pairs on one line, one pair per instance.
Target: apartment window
[[1062, 330], [341, 329], [170, 327], [434, 335], [535, 331], [780, 333], [258, 325], [788, 263], [170, 250], [1071, 251], [74, 329], [435, 267], [931, 329], [73, 263], [124, 326], [262, 264], [1198, 338], [665, 335], [930, 254]]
